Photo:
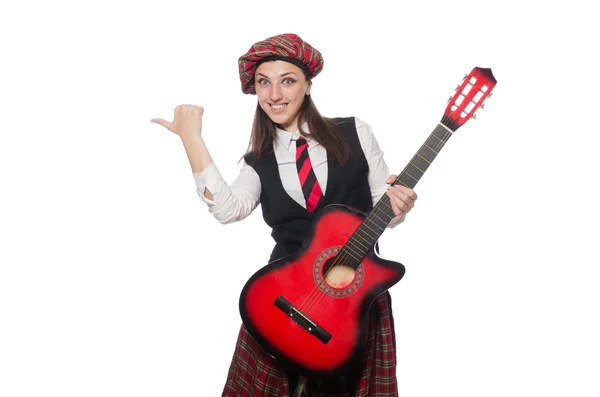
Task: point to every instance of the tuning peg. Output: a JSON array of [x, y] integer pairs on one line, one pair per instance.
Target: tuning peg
[[465, 76], [490, 94], [482, 106], [457, 87], [474, 116], [449, 99]]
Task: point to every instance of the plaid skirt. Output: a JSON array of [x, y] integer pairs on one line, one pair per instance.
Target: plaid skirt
[[254, 373]]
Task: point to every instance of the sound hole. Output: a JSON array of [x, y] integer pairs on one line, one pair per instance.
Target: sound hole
[[337, 274]]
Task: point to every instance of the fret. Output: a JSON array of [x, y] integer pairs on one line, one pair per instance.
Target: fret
[[357, 243], [369, 222], [353, 252], [414, 170], [421, 162], [385, 207], [439, 138], [441, 133], [357, 234], [345, 251], [425, 159], [414, 165], [407, 173], [368, 237], [378, 221], [427, 154], [383, 212], [434, 143], [427, 146], [367, 226], [381, 219]]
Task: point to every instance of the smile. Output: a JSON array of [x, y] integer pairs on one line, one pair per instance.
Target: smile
[[278, 108]]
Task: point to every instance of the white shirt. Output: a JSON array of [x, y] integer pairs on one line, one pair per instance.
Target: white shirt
[[234, 202]]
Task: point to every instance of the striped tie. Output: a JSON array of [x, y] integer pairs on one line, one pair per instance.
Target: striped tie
[[308, 180]]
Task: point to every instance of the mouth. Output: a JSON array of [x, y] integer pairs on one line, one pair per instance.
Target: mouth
[[278, 108]]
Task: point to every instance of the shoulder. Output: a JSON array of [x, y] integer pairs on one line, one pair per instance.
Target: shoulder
[[361, 126], [365, 135], [258, 161], [347, 124], [249, 159], [340, 121]]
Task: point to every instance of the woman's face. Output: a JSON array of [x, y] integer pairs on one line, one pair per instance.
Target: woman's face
[[281, 87]]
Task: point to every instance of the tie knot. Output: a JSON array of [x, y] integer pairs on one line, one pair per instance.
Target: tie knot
[[300, 141]]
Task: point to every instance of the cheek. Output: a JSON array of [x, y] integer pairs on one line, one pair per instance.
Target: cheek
[[296, 95], [261, 98]]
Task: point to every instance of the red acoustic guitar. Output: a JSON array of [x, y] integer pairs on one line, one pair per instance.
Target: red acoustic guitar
[[309, 310]]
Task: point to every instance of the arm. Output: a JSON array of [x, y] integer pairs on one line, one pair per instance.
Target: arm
[[227, 203], [187, 124], [199, 157]]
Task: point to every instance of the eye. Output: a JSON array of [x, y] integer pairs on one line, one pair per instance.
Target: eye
[[288, 80], [262, 81]]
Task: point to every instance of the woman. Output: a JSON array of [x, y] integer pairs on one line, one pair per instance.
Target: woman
[[298, 162]]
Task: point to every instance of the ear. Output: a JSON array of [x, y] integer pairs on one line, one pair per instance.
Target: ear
[[309, 83]]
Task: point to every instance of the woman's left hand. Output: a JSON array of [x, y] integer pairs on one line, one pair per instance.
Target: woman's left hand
[[401, 197]]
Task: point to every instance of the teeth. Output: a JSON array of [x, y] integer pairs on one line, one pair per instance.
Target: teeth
[[278, 107]]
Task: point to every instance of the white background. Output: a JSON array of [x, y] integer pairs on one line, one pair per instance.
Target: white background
[[116, 281]]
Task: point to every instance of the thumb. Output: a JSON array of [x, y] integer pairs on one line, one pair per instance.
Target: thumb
[[167, 124]]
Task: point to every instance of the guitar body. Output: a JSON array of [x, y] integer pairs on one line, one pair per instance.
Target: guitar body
[[300, 319]]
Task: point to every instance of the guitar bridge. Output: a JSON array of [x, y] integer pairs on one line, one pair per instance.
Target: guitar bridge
[[299, 318]]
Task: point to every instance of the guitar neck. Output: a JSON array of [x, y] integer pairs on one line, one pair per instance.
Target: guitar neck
[[461, 107], [367, 234]]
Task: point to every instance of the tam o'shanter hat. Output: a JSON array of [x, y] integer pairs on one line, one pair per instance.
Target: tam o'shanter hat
[[286, 47]]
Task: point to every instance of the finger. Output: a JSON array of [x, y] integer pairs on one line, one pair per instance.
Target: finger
[[404, 202], [401, 194], [167, 124], [394, 203], [188, 108], [407, 191], [391, 178]]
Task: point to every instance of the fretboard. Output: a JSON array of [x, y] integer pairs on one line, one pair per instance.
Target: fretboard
[[367, 234]]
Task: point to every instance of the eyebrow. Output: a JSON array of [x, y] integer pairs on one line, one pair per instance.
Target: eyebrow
[[283, 75]]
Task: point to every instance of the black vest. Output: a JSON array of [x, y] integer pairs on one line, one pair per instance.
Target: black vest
[[346, 184]]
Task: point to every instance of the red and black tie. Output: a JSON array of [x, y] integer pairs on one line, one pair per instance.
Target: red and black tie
[[308, 180]]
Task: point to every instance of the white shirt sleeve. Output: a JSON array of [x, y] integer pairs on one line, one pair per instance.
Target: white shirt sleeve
[[378, 169], [230, 203]]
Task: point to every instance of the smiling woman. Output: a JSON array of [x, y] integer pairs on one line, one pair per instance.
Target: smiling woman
[[297, 165]]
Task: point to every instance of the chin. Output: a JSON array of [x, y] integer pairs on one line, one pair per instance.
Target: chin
[[278, 119]]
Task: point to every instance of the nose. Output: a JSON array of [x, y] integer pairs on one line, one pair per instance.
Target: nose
[[275, 93]]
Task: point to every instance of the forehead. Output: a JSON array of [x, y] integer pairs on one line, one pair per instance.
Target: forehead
[[277, 68]]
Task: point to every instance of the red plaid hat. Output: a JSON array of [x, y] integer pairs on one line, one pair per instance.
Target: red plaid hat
[[287, 47]]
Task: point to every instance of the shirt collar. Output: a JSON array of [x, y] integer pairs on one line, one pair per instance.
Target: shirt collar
[[286, 139]]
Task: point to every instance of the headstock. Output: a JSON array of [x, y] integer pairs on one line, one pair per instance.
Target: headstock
[[476, 87]]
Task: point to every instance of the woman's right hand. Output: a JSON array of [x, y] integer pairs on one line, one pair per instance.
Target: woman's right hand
[[187, 121]]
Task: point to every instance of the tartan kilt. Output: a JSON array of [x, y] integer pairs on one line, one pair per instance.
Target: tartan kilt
[[254, 373]]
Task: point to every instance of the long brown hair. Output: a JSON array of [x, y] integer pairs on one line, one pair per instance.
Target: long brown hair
[[322, 129]]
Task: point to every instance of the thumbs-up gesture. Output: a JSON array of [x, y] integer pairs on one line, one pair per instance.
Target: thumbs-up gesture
[[187, 121]]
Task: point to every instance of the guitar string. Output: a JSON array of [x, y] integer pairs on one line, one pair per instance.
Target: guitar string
[[306, 306], [343, 259]]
